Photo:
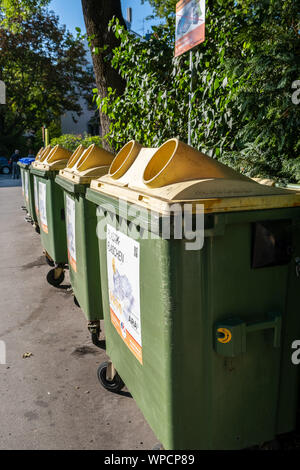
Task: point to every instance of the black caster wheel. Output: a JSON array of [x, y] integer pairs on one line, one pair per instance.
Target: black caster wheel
[[95, 330], [158, 446], [76, 302], [114, 385], [53, 279], [49, 262], [95, 334], [100, 343], [271, 445]]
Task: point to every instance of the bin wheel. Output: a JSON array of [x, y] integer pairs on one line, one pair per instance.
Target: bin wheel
[[37, 229], [53, 279], [95, 338], [76, 302], [114, 385], [50, 262], [271, 445], [95, 330], [158, 446]]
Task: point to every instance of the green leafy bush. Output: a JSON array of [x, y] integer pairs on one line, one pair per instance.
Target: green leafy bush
[[242, 108], [71, 141]]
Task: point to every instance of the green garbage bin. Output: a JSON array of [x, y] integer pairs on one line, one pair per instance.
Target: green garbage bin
[[41, 156], [201, 337], [81, 225], [28, 190], [51, 211]]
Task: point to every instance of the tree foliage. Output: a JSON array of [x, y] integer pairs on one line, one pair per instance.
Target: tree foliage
[[163, 8], [12, 11], [45, 71], [97, 14], [242, 110]]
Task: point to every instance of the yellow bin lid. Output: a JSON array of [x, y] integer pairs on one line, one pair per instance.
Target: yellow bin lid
[[178, 173], [43, 153], [55, 159], [40, 153], [86, 164]]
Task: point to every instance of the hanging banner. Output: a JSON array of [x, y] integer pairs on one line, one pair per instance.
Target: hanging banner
[[190, 25], [123, 269]]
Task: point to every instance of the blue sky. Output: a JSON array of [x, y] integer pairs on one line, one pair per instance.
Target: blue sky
[[70, 13]]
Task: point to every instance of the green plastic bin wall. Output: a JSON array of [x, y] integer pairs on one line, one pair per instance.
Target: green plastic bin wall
[[36, 195], [192, 396], [84, 268], [28, 190], [22, 180], [51, 215], [293, 186]]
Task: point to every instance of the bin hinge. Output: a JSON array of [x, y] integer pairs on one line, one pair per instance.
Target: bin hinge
[[230, 335]]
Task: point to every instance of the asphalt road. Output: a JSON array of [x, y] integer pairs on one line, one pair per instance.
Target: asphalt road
[[52, 399], [6, 181]]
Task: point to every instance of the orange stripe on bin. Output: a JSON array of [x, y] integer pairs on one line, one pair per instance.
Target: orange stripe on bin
[[45, 228], [72, 262], [131, 343]]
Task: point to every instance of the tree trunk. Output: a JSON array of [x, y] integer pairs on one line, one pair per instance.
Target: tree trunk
[[97, 14]]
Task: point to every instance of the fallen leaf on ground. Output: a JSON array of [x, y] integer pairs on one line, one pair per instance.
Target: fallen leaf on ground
[[27, 354]]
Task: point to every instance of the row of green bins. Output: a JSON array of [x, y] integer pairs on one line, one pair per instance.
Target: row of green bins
[[200, 335], [51, 211], [81, 224], [28, 188]]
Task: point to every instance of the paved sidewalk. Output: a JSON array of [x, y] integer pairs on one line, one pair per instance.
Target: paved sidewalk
[[51, 400]]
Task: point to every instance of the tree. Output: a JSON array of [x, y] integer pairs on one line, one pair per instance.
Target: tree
[[45, 71], [97, 14]]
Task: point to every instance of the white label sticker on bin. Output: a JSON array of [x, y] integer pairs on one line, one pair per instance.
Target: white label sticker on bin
[[70, 222], [22, 180], [26, 186], [36, 195], [43, 206], [123, 268]]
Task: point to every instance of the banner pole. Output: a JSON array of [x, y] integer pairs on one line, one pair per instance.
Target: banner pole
[[190, 99], [46, 137]]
